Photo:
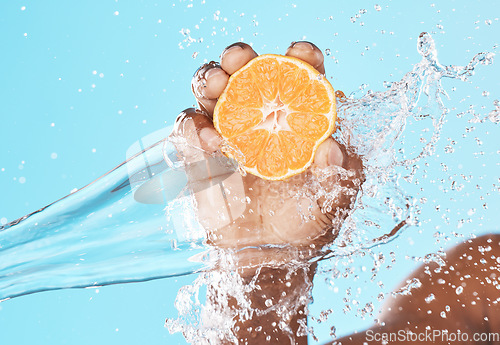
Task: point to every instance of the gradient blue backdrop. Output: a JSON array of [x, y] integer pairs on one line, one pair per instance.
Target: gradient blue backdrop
[[82, 80]]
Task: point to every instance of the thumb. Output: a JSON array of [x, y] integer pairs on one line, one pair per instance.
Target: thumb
[[346, 180], [329, 153]]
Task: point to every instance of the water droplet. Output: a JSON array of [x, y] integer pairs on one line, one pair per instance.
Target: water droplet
[[449, 149], [459, 290], [377, 7], [430, 298], [494, 115]]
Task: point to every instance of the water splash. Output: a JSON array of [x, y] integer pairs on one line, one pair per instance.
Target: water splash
[[374, 126], [220, 301], [111, 231], [124, 227], [406, 289]]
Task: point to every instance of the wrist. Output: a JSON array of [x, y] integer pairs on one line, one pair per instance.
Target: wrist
[[249, 261], [270, 306]]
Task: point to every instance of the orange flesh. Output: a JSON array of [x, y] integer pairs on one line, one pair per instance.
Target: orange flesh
[[276, 110]]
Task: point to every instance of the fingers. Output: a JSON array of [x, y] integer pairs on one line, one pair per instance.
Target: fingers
[[207, 84], [211, 176], [329, 153], [308, 52], [194, 135], [344, 181], [236, 56], [209, 81], [211, 78]]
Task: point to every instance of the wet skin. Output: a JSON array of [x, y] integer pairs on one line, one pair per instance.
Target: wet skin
[[243, 227], [230, 224], [466, 289]]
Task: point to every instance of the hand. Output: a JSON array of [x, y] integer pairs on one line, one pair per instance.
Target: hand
[[247, 211], [245, 214]]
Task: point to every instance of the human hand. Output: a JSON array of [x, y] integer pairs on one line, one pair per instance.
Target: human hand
[[304, 211]]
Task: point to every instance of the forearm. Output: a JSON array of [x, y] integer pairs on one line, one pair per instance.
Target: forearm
[[272, 306], [279, 302], [463, 309]]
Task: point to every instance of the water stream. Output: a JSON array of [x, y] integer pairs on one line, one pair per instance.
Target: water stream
[[137, 222], [392, 131]]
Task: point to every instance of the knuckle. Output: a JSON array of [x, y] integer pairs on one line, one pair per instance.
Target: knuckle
[[199, 80], [189, 121]]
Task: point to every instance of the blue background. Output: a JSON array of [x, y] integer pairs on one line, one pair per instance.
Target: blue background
[[82, 80]]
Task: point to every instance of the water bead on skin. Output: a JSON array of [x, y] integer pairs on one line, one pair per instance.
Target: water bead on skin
[[215, 82], [209, 81]]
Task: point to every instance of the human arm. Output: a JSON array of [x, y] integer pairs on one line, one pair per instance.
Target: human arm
[[462, 296], [280, 226]]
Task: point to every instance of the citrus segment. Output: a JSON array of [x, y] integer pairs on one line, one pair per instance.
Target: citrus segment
[[298, 149], [276, 110], [236, 119], [266, 72], [250, 144], [313, 98], [272, 162], [307, 125], [245, 91], [292, 81]]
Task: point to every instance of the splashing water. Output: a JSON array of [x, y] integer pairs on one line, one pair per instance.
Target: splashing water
[[114, 230], [371, 126], [137, 222]]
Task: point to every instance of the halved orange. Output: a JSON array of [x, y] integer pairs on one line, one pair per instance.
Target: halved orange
[[276, 110]]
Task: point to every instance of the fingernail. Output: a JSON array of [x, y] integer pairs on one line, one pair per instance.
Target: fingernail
[[216, 80], [199, 82], [233, 46], [302, 44], [211, 139], [335, 155]]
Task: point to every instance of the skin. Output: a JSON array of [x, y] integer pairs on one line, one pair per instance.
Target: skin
[[241, 224], [248, 225], [234, 213], [473, 268]]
